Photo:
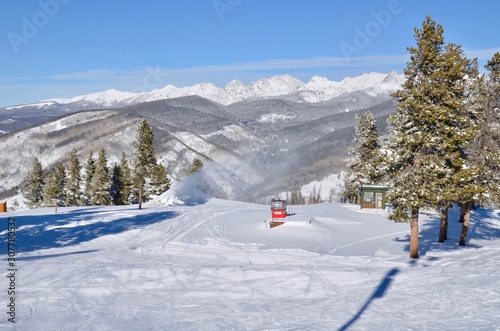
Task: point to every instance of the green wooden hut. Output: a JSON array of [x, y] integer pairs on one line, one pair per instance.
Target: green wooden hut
[[372, 196]]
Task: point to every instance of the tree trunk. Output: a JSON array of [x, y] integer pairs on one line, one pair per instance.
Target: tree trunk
[[462, 212], [140, 196], [443, 230], [414, 234], [466, 210]]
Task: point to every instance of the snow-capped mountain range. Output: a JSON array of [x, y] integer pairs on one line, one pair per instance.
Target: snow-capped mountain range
[[260, 138], [318, 89]]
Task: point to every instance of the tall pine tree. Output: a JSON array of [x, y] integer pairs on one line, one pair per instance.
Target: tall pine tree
[[116, 185], [34, 182], [486, 149], [55, 187], [125, 179], [430, 129], [144, 157], [362, 169], [101, 181], [74, 181], [483, 156], [89, 173]]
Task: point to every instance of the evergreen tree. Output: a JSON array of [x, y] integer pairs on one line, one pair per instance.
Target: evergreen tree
[[144, 157], [362, 170], [159, 179], [195, 166], [125, 179], [430, 129], [55, 187], [486, 150], [462, 111], [34, 183], [74, 181], [101, 181], [89, 173], [116, 186], [484, 155]]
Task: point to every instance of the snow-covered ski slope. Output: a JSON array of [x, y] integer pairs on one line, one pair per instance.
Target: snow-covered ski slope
[[189, 262]]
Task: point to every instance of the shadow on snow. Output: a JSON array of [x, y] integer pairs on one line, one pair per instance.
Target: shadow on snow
[[36, 232], [379, 292], [484, 225]]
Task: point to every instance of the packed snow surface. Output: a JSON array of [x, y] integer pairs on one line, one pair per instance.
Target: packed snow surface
[[190, 262]]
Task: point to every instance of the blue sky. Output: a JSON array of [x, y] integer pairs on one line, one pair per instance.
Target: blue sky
[[64, 48]]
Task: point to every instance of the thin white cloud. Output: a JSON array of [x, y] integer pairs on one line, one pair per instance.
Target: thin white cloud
[[369, 62], [267, 65], [481, 54], [94, 74]]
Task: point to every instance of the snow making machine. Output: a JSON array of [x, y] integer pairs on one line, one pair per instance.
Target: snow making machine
[[278, 208]]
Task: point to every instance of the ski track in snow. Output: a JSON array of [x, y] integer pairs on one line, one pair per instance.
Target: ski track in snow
[[216, 266]]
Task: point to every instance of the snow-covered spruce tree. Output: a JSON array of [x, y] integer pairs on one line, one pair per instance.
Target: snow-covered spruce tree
[[54, 191], [34, 183], [89, 173], [486, 150], [143, 157], [74, 181], [125, 178], [116, 185], [101, 181], [159, 179], [430, 129], [362, 169], [121, 182], [484, 155], [461, 104]]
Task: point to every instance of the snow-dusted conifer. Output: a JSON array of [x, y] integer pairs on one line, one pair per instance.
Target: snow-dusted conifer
[[74, 181], [484, 155], [362, 169], [101, 181], [125, 179], [486, 150], [89, 173], [144, 157], [116, 185], [34, 182], [430, 129], [121, 187], [54, 191], [159, 179]]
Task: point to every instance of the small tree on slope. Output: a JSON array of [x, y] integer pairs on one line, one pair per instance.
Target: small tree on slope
[[159, 179], [195, 166]]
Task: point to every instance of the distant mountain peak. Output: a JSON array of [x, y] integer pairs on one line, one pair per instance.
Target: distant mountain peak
[[316, 90]]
